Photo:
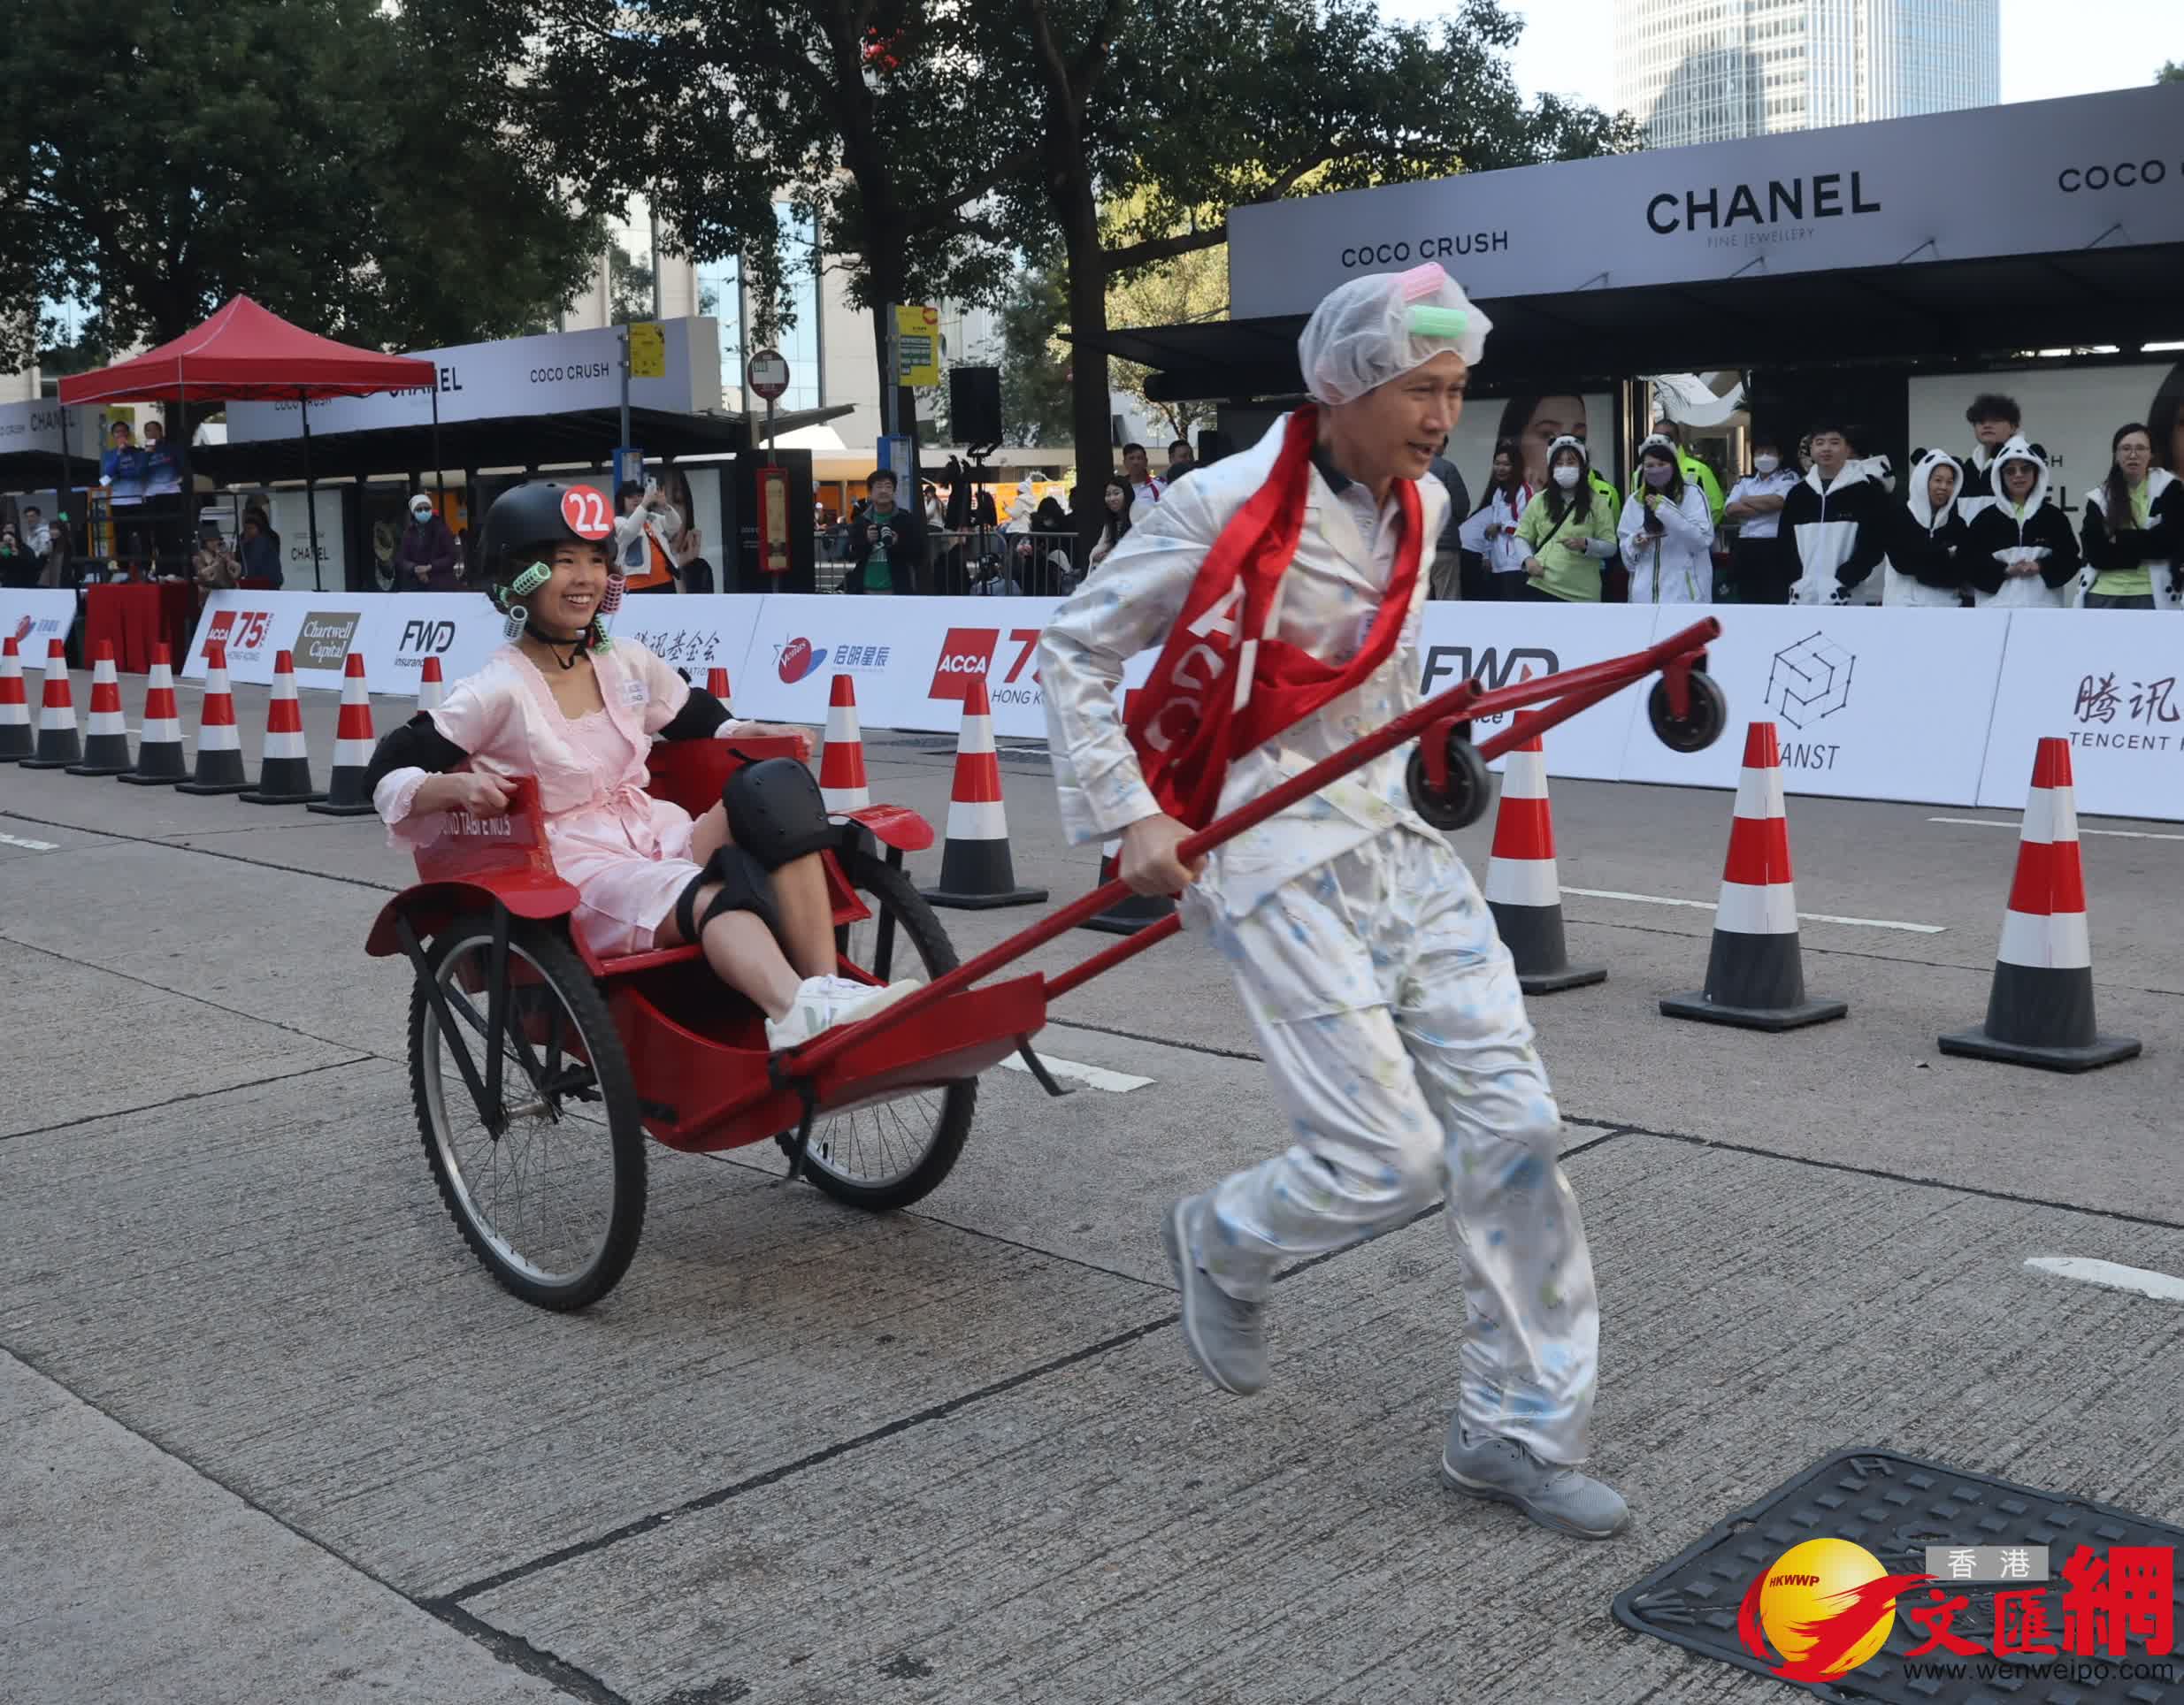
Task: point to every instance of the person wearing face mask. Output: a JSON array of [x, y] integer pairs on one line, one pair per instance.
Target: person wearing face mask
[[1282, 589], [1569, 531], [1924, 568], [1755, 505], [1667, 532], [1834, 524], [426, 558], [2020, 552], [2134, 529]]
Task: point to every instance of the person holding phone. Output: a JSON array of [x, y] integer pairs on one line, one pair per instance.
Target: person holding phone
[[641, 532]]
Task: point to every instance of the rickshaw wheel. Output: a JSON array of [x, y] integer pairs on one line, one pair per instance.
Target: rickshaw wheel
[[1470, 786], [1706, 714], [555, 1204], [891, 1153]]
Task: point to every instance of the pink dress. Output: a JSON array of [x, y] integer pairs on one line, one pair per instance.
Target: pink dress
[[626, 853]]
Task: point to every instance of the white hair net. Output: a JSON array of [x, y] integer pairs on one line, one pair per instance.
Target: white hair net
[[1381, 327]]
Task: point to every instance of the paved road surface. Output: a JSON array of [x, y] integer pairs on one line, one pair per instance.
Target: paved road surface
[[275, 1437]]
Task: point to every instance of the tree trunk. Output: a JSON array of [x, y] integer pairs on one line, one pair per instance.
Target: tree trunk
[[1091, 423]]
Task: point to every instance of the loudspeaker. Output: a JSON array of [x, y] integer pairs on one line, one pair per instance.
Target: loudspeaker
[[974, 405]]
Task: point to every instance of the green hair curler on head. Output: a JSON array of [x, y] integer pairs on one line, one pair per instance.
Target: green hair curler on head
[[1427, 321]]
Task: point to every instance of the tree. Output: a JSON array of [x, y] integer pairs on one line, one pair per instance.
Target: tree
[[630, 283], [2170, 73], [866, 116], [304, 151], [1191, 289], [1035, 362], [1284, 94]]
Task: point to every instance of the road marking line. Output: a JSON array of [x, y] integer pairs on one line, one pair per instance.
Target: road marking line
[[2164, 1286], [1093, 1077], [1708, 905], [30, 846], [2117, 834]]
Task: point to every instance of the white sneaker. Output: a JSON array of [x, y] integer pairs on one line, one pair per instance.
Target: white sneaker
[[821, 1003]]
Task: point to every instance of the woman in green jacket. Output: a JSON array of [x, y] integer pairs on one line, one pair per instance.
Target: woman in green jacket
[[1568, 528]]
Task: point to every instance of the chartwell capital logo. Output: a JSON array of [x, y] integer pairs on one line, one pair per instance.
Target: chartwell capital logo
[[323, 641]]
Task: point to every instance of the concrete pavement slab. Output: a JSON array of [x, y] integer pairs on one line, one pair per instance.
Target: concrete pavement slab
[[1117, 1529], [266, 1282], [85, 1044], [130, 1576]]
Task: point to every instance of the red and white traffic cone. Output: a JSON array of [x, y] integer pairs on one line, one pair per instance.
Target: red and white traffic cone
[[717, 684], [1755, 974], [159, 761], [15, 742], [347, 796], [106, 731], [976, 869], [1522, 890], [219, 748], [57, 744], [2040, 1010], [432, 688], [284, 773], [842, 786]]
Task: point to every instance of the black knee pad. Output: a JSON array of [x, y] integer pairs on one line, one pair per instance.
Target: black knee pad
[[775, 812], [743, 887]]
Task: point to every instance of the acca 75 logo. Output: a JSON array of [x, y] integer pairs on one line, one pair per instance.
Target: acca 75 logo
[[239, 630], [969, 652]]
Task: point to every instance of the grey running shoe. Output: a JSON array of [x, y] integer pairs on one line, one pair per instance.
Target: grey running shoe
[[1226, 1338], [1552, 1495]]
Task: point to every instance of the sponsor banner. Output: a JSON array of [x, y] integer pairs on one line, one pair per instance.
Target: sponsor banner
[[1501, 645], [911, 658], [33, 618], [25, 427], [462, 628], [695, 634], [2110, 683], [557, 373], [1868, 703], [2044, 178], [255, 626]]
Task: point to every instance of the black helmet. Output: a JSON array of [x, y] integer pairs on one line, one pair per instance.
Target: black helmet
[[537, 516]]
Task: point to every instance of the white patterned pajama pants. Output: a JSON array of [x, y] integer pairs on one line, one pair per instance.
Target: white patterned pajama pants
[[1390, 1015]]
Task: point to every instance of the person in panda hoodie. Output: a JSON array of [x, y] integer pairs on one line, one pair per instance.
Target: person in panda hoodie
[[1925, 568], [2134, 530], [2020, 552], [1834, 524]]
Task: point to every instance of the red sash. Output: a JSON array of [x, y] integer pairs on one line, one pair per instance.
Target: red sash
[[1194, 717]]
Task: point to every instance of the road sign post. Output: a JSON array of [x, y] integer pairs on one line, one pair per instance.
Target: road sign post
[[767, 376]]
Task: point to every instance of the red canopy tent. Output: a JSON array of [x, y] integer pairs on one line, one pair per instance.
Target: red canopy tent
[[245, 354]]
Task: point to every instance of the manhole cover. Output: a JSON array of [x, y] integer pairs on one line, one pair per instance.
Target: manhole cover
[[2037, 1598]]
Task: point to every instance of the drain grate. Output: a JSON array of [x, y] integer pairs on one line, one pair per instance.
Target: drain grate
[[1910, 1515]]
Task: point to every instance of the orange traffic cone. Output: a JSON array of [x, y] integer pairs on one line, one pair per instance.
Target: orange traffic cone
[[284, 774], [219, 748], [57, 744], [15, 743], [1755, 974], [159, 762], [1522, 890], [347, 796], [106, 731], [2040, 1010], [717, 684], [842, 785], [976, 869], [432, 689]]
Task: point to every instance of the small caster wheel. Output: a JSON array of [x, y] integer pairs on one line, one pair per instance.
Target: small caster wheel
[[1701, 725], [1469, 787]]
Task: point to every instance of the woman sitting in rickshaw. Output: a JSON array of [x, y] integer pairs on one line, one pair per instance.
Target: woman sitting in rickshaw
[[562, 703]]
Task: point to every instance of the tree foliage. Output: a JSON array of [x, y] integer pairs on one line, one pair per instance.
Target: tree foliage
[[1035, 362], [2170, 73], [1189, 290], [162, 155]]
